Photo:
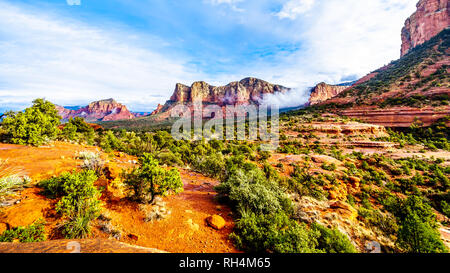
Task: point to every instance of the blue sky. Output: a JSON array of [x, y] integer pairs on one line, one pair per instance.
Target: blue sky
[[137, 50]]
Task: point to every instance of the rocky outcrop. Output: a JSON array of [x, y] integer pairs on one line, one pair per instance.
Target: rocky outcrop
[[431, 17], [323, 92], [158, 109], [246, 91], [103, 110]]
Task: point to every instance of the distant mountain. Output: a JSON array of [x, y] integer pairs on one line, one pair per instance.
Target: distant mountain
[[103, 110]]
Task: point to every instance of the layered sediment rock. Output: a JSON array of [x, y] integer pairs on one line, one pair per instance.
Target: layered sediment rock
[[398, 116]]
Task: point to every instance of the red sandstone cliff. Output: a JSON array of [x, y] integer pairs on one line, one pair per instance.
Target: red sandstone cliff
[[431, 17], [246, 91], [104, 110], [323, 92]]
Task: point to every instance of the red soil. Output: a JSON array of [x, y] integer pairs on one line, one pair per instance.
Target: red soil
[[184, 230]]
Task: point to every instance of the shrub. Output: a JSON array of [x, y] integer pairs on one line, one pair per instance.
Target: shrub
[[329, 167], [274, 233], [32, 233], [109, 142], [11, 184], [11, 180], [332, 240], [76, 129], [94, 164], [445, 208], [251, 191], [212, 165], [150, 180], [35, 126], [79, 204]]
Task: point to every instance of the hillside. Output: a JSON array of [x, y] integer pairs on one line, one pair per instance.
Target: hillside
[[416, 83]]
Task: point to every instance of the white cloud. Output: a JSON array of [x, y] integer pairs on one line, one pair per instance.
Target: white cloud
[[231, 3], [70, 62], [293, 8]]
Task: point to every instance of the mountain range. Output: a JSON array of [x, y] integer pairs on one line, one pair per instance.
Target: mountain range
[[414, 87]]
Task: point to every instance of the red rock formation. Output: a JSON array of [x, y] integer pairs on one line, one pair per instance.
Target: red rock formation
[[323, 92], [431, 17], [158, 109], [246, 91], [104, 110]]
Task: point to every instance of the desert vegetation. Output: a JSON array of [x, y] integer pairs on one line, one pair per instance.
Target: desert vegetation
[[375, 196]]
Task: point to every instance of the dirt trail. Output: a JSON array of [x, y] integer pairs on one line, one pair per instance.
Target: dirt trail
[[185, 230]]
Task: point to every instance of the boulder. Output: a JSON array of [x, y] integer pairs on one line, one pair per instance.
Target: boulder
[[216, 221]]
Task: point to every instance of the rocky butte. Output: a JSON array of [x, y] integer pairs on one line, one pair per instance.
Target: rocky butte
[[431, 17], [323, 92], [103, 110], [246, 91]]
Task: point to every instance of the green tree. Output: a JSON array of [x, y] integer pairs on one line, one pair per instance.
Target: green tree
[[418, 227], [418, 236], [34, 126], [76, 129], [150, 180]]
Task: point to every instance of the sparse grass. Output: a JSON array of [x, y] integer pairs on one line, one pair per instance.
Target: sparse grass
[[12, 180], [87, 155]]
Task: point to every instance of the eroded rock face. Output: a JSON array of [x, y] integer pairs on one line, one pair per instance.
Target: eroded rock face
[[323, 92], [104, 110], [431, 17], [246, 91]]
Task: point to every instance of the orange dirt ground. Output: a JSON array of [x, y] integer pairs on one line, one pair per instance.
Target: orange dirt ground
[[184, 230]]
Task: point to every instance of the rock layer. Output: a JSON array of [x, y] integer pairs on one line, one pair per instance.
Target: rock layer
[[398, 116], [431, 17]]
